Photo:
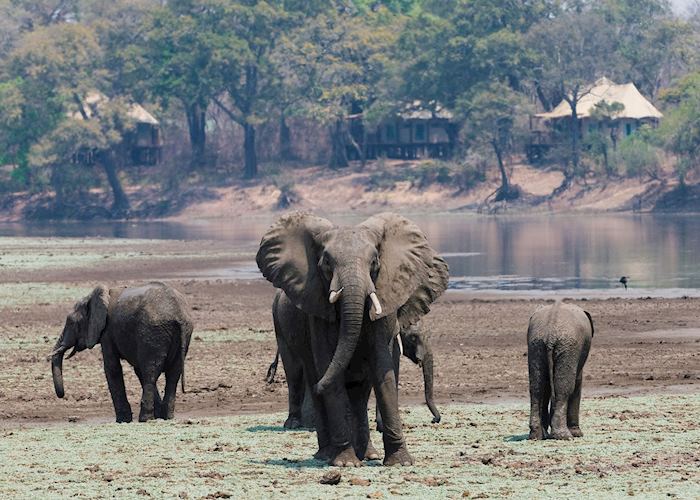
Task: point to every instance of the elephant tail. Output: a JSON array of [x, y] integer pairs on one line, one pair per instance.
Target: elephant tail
[[185, 335], [272, 370], [550, 368]]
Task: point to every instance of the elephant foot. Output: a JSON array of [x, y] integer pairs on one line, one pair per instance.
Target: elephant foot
[[325, 453], [576, 431], [560, 434], [124, 417], [292, 422], [537, 435], [397, 456], [371, 453], [145, 416], [346, 458], [380, 427]]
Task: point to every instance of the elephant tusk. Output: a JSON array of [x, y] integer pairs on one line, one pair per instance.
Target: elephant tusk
[[334, 296], [375, 303], [72, 353], [398, 338]]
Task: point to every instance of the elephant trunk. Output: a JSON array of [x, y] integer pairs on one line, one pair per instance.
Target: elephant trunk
[[352, 312], [428, 382], [57, 368]]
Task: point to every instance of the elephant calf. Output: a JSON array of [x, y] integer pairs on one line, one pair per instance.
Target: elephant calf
[[558, 340], [149, 326]]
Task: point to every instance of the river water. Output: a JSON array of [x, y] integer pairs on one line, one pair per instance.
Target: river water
[[542, 254]]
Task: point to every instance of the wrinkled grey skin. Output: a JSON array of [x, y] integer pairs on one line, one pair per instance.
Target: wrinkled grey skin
[[149, 326], [558, 341], [344, 342], [415, 347]]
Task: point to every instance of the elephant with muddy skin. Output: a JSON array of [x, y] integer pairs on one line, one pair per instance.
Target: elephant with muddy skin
[[558, 341], [149, 326], [354, 286], [413, 344]]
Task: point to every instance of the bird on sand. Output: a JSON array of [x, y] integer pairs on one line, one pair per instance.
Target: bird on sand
[[624, 281]]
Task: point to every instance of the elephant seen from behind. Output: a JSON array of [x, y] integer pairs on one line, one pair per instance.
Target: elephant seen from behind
[[354, 286], [149, 326], [558, 341]]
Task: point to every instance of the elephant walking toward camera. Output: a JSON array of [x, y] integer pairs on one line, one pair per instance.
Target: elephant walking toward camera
[[353, 287], [558, 341], [148, 326]]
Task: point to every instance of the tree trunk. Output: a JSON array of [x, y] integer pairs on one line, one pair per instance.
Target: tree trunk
[[196, 123], [120, 205], [574, 135], [286, 153], [250, 169], [505, 192], [339, 156]]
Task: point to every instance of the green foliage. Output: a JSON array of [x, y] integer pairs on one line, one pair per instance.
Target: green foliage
[[680, 129], [638, 156]]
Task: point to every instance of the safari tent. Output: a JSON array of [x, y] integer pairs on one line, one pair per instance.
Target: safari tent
[[143, 143], [636, 111], [414, 131]]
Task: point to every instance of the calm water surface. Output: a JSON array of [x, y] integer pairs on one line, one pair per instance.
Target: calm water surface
[[539, 254]]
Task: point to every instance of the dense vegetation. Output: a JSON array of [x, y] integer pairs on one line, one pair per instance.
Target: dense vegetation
[[237, 84]]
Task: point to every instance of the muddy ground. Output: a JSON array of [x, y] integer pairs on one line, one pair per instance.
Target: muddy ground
[[640, 346], [640, 414]]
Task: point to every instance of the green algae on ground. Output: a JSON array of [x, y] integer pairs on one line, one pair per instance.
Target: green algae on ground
[[233, 335], [23, 294], [646, 446], [29, 254]]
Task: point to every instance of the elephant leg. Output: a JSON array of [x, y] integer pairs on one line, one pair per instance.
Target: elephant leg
[[359, 394], [150, 368], [396, 356], [564, 384], [115, 382], [538, 372], [335, 401], [572, 421], [295, 384], [172, 377], [384, 383]]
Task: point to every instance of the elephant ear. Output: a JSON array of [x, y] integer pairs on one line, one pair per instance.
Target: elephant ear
[[288, 257], [411, 275], [590, 320], [97, 315]]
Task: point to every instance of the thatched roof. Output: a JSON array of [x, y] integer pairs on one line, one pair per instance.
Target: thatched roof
[[417, 110], [636, 106], [94, 99]]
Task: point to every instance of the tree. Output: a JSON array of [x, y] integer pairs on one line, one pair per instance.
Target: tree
[[176, 59], [250, 78], [490, 115], [341, 63], [680, 129], [573, 50], [606, 114], [456, 46]]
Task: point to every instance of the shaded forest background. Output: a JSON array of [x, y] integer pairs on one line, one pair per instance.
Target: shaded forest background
[[249, 89]]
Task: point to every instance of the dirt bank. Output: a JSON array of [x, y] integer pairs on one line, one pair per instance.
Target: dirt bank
[[408, 187]]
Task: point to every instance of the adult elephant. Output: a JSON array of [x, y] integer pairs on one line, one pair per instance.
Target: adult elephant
[[414, 345], [149, 326], [355, 286]]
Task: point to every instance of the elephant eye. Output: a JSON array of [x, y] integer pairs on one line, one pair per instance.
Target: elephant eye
[[374, 268], [325, 267]]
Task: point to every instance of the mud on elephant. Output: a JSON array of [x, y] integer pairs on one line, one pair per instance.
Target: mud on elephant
[[149, 326], [354, 286]]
